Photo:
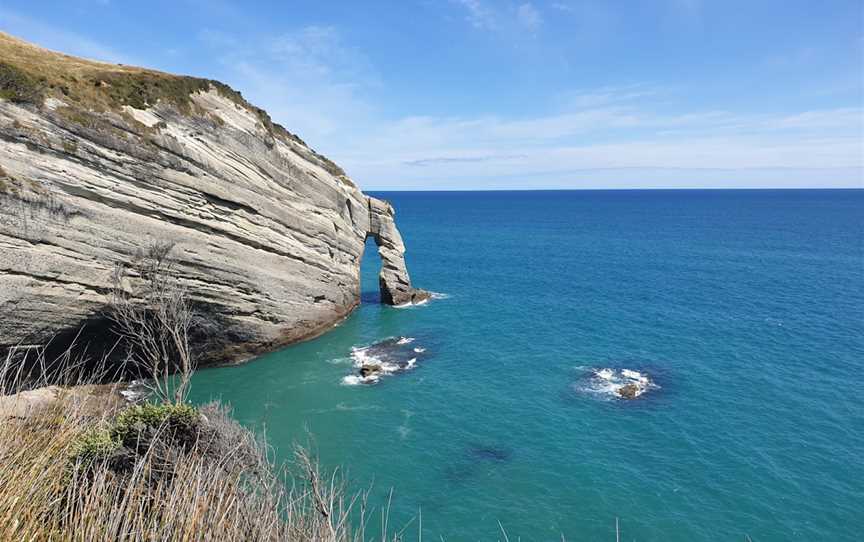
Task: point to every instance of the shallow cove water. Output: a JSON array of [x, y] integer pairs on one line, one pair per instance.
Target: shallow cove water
[[744, 308]]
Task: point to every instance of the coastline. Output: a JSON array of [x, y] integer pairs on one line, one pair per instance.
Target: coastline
[[244, 355]]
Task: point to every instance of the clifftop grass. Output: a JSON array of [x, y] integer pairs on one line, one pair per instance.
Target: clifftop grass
[[16, 85], [30, 74]]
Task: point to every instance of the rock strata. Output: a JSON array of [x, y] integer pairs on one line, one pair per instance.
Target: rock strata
[[394, 281], [98, 161]]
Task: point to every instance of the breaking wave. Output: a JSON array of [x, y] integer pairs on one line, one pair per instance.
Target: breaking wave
[[432, 296], [610, 383], [383, 358]]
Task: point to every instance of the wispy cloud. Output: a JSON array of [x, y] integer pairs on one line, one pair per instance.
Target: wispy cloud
[[320, 87], [495, 17], [609, 95], [306, 78], [463, 159], [478, 14], [317, 84], [633, 146]]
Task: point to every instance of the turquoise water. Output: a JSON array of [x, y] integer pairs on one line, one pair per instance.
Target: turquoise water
[[744, 308]]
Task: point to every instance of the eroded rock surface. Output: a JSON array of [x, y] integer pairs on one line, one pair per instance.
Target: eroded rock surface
[[98, 161], [394, 281]]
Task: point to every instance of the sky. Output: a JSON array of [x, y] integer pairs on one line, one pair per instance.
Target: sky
[[486, 94]]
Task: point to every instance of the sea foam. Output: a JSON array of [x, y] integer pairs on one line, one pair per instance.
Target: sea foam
[[610, 383], [432, 296], [383, 358]]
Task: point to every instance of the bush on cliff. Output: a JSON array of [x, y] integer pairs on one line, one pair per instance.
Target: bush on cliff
[[136, 419]]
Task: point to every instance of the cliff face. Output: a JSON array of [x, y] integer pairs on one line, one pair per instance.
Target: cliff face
[[98, 161]]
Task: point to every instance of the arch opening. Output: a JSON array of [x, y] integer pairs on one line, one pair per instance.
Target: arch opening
[[394, 282], [370, 271]]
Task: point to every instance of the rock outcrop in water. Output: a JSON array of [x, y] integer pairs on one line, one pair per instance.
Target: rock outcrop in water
[[98, 161], [395, 283]]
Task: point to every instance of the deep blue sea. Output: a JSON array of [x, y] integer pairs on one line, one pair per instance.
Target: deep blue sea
[[744, 310]]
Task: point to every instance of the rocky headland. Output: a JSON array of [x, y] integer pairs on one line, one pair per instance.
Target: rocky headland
[[99, 161]]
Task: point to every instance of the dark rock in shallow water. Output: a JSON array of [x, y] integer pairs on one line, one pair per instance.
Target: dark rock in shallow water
[[386, 357], [630, 391], [611, 383], [476, 456], [369, 370]]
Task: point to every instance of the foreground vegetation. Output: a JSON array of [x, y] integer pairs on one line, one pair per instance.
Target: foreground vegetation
[[78, 463], [158, 472]]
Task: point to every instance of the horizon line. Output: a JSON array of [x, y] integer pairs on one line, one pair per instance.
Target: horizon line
[[629, 189]]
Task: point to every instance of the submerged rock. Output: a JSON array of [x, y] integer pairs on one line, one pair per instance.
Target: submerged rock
[[491, 453]]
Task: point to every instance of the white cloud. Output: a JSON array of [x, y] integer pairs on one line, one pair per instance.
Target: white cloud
[[617, 136], [320, 87], [640, 148]]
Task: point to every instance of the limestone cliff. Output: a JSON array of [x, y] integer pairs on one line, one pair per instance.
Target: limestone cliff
[[98, 160]]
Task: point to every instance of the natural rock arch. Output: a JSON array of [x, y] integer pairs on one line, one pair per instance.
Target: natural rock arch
[[393, 280]]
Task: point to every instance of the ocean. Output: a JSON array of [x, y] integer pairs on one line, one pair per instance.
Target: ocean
[[739, 315]]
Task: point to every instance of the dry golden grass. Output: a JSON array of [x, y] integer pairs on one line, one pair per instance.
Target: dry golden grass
[[170, 490], [98, 86], [29, 74], [20, 52]]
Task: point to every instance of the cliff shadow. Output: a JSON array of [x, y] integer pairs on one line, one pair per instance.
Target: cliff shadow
[[95, 351]]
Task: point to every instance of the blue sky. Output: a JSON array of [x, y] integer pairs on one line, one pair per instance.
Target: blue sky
[[474, 94]]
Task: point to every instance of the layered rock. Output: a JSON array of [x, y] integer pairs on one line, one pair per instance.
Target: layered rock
[[394, 281], [99, 161]]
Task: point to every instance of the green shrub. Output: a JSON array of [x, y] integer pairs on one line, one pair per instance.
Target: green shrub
[[129, 422], [93, 445], [144, 89]]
